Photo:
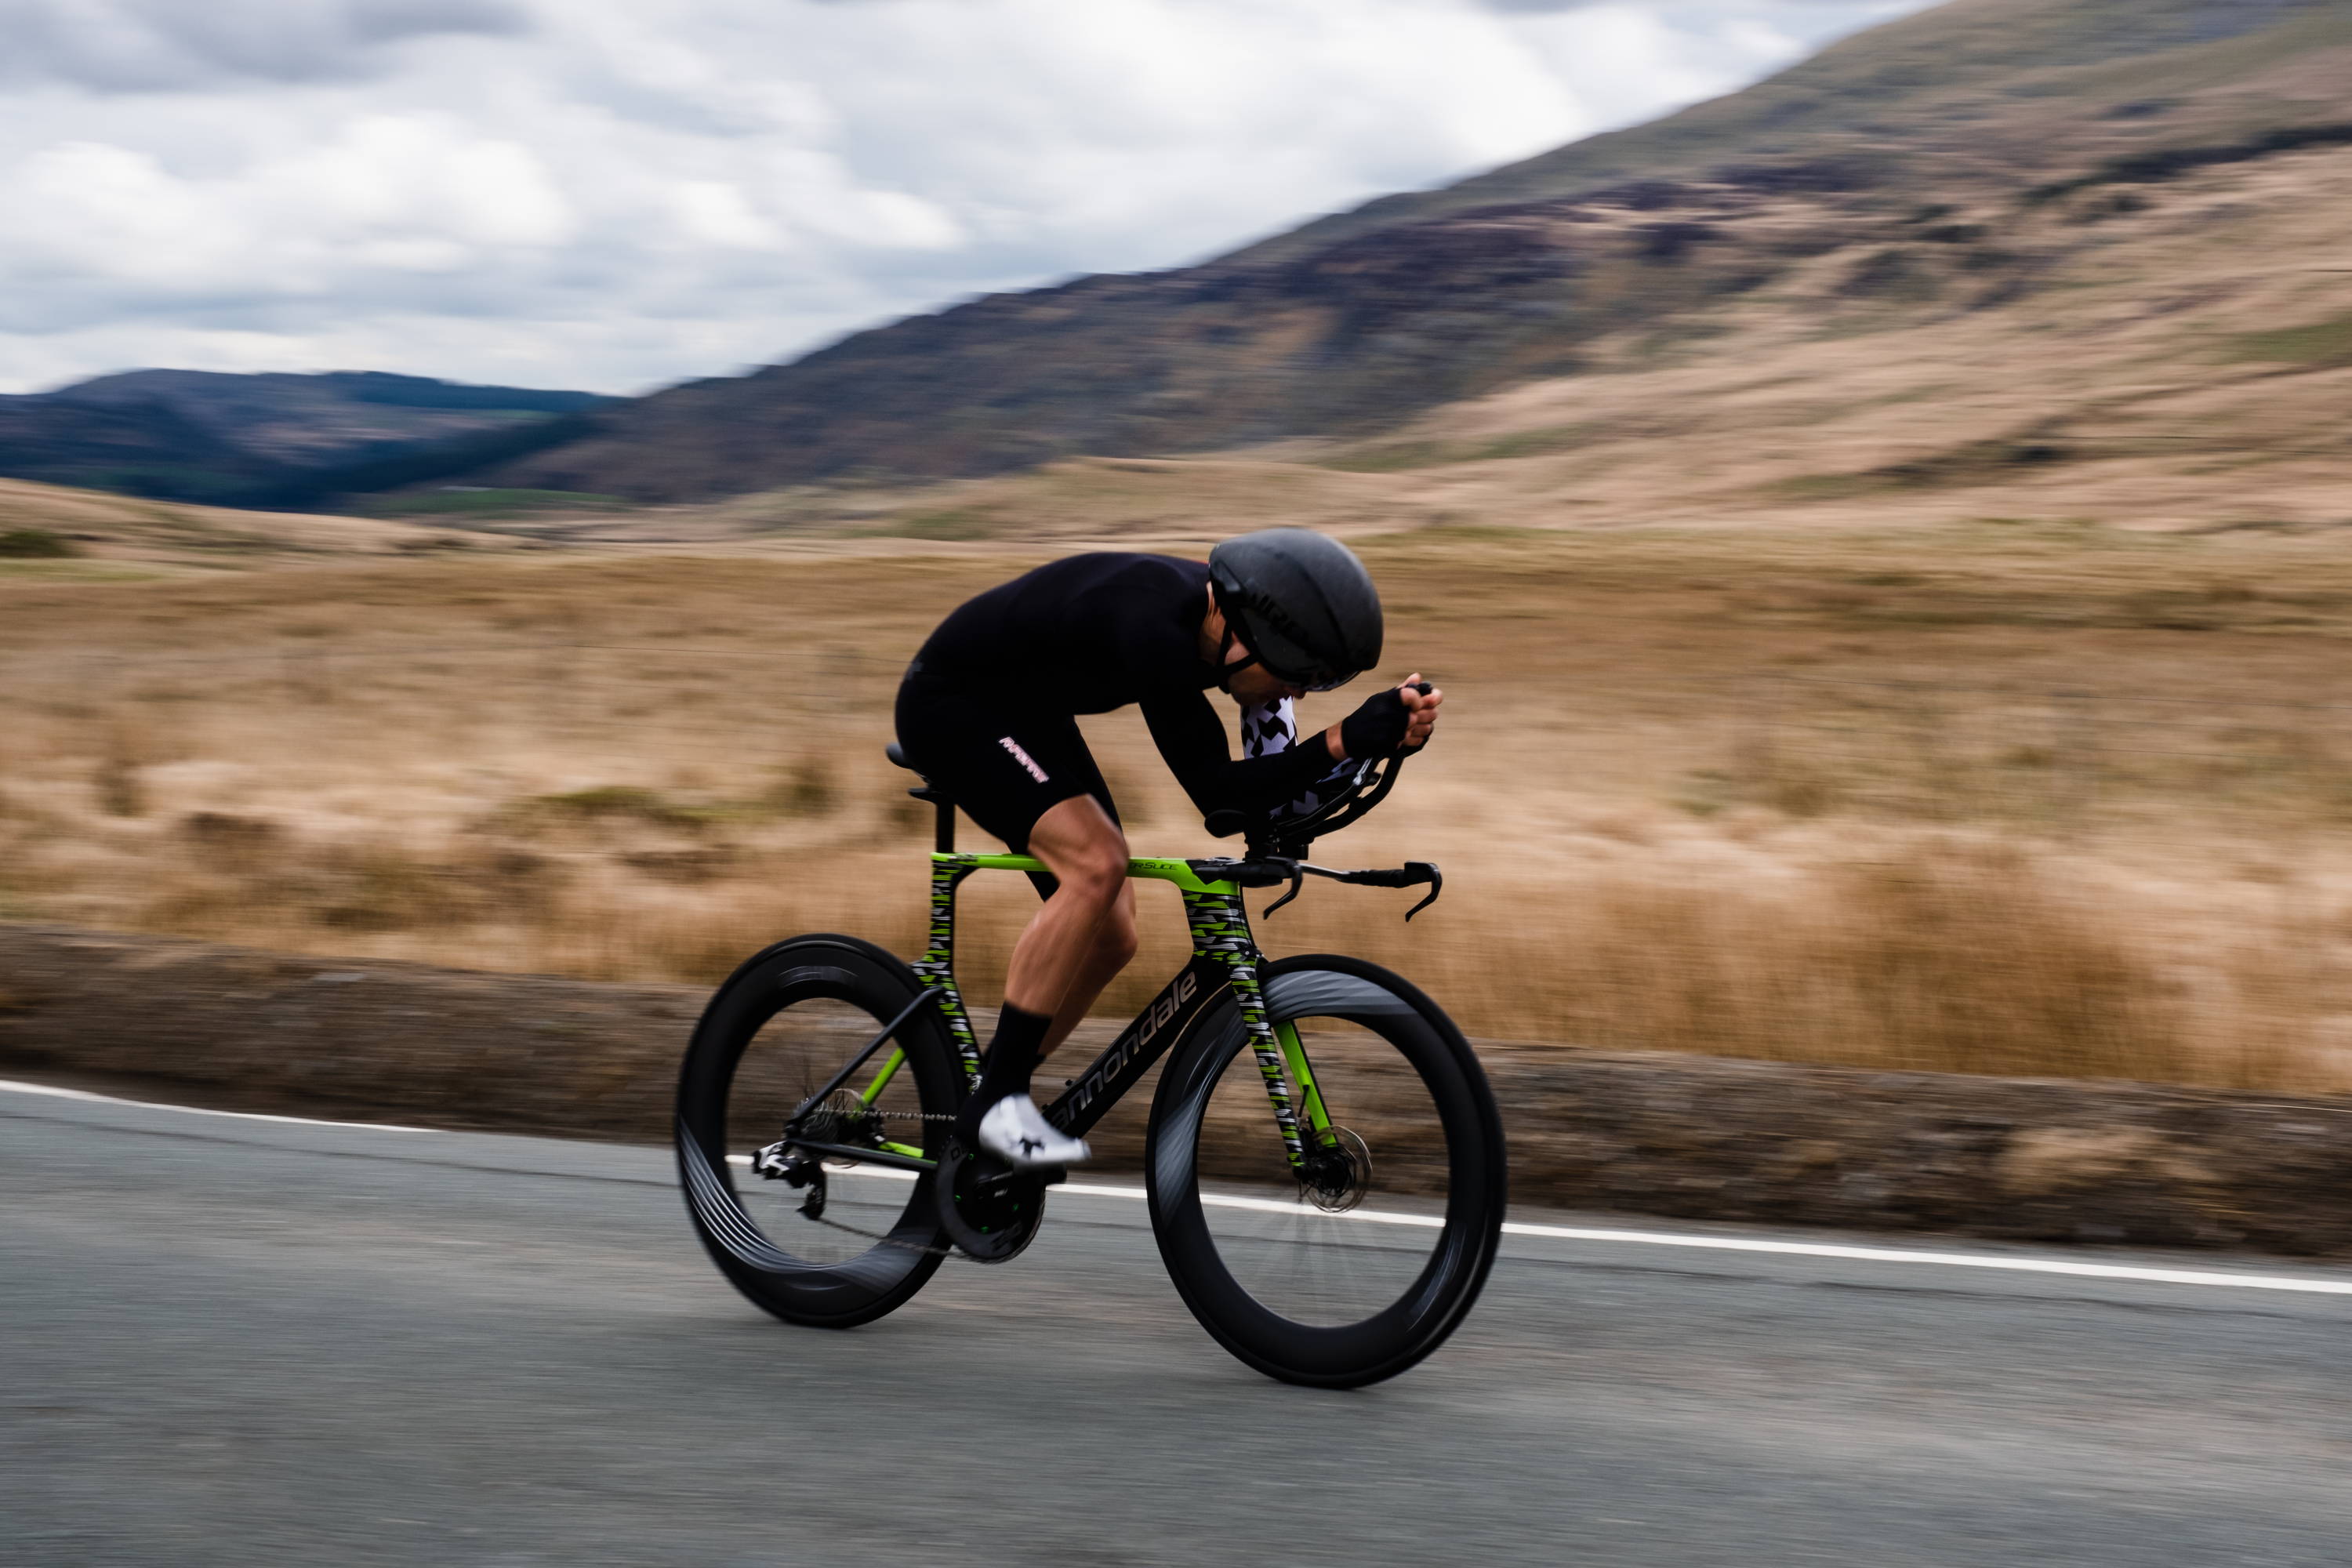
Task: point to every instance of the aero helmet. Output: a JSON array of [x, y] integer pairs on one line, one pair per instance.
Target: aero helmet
[[1303, 603]]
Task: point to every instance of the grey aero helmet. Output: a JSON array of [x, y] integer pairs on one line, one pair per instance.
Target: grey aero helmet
[[1302, 602]]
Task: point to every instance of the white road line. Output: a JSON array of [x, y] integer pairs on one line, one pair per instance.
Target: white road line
[[2195, 1277], [1732, 1244], [12, 1087], [1947, 1259]]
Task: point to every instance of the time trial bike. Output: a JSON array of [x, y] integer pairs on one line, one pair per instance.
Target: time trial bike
[[1323, 1163]]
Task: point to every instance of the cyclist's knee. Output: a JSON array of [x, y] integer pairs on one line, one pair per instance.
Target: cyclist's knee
[[1095, 872], [1084, 850]]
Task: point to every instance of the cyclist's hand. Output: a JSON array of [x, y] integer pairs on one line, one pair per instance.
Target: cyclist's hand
[[1421, 710], [1397, 720]]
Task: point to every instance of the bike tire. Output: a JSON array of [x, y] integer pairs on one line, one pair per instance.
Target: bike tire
[[806, 1276], [1252, 1267]]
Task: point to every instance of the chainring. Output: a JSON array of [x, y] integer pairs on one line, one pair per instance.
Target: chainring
[[989, 1212]]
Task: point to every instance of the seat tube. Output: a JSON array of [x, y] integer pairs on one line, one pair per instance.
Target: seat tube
[[1221, 933], [937, 966]]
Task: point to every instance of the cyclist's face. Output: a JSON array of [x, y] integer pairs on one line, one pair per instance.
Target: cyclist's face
[[1256, 685]]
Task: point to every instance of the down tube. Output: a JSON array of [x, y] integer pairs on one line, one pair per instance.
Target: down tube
[[1221, 934], [1160, 1025]]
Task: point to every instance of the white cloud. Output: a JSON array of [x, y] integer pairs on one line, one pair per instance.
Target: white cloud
[[136, 45], [604, 193]]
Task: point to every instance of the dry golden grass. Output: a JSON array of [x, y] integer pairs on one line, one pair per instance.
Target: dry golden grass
[[1935, 682], [1997, 798]]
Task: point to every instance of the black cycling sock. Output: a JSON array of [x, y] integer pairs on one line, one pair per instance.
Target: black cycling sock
[[1012, 1057]]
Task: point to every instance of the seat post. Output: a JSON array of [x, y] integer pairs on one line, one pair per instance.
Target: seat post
[[943, 830]]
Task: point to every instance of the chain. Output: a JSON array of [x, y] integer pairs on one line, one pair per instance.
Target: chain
[[885, 1239], [881, 1114]]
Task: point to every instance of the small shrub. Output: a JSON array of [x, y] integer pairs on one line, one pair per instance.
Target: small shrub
[[609, 801], [686, 866], [2328, 343], [1393, 458], [119, 791], [36, 544], [807, 791], [227, 842], [949, 524], [1799, 792], [1895, 273]]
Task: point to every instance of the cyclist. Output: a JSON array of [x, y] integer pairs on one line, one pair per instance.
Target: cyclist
[[987, 711]]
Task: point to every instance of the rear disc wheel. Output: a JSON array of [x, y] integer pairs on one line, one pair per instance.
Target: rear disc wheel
[[829, 1241]]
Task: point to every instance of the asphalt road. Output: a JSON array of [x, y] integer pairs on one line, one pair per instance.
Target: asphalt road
[[229, 1340]]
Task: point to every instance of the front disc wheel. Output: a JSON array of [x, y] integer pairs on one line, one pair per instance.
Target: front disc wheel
[[1353, 1263]]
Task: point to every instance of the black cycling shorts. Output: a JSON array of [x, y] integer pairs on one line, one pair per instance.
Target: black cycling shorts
[[1004, 767]]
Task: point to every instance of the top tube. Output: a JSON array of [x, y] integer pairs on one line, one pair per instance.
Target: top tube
[[1149, 869]]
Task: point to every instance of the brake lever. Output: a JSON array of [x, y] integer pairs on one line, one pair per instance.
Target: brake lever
[[1436, 886], [1411, 874], [1297, 881]]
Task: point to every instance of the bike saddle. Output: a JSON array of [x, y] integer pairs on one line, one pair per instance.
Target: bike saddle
[[927, 790]]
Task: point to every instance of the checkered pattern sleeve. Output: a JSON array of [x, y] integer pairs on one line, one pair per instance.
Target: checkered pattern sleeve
[[1272, 727]]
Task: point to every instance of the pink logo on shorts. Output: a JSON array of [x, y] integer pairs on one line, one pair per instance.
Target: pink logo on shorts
[[1024, 758]]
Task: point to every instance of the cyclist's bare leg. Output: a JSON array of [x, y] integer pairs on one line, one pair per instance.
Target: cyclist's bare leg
[[1085, 934], [1082, 937], [1114, 947]]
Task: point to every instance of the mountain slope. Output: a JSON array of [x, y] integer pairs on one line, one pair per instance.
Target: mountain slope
[[1959, 160], [273, 439], [1978, 89]]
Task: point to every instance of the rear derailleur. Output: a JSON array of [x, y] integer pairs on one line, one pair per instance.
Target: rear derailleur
[[780, 1161]]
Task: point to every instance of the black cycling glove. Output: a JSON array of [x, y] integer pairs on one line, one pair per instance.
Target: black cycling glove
[[1378, 727]]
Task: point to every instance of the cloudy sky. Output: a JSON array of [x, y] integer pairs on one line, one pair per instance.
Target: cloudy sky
[[616, 194]]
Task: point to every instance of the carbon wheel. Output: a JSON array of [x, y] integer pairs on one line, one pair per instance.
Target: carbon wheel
[[1357, 1267], [832, 1242]]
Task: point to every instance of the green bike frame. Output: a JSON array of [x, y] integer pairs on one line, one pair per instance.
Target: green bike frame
[[1225, 959]]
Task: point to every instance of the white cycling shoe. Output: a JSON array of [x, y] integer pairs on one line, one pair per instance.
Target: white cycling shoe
[[1016, 1131]]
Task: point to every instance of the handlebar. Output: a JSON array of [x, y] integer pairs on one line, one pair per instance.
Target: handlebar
[[1274, 870], [1369, 784], [1365, 789], [1277, 851]]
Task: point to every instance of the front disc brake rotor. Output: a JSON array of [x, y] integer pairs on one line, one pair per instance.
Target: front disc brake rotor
[[1339, 1172]]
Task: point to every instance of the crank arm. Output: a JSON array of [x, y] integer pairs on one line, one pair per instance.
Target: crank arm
[[1043, 1175]]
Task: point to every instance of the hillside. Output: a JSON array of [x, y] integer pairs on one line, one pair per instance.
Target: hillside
[[1962, 172], [52, 533], [266, 440]]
